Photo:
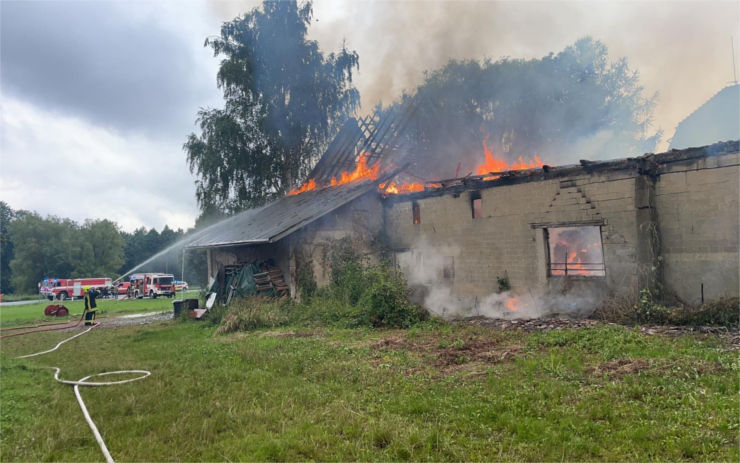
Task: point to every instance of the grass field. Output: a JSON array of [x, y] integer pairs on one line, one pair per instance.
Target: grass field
[[434, 392], [31, 313], [21, 297]]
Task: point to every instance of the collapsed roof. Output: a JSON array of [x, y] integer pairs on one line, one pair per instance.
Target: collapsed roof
[[377, 137], [652, 164]]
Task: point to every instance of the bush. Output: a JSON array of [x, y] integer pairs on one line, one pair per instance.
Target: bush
[[307, 286], [722, 312], [348, 277], [252, 313], [359, 294], [325, 309], [648, 311], [386, 303]]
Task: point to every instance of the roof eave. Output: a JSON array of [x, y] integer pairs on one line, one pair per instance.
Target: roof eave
[[229, 244]]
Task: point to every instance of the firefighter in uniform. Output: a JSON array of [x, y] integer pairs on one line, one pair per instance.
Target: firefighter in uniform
[[90, 305]]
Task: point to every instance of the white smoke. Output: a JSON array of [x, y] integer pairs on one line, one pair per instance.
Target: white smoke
[[423, 266]]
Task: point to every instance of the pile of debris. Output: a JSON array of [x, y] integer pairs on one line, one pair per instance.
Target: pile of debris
[[248, 279], [534, 324]]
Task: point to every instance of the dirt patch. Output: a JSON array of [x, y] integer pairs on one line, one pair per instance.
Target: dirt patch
[[396, 342], [474, 350], [619, 368], [534, 324], [290, 334], [452, 356]]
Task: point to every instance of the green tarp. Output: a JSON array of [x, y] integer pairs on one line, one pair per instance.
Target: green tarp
[[239, 284]]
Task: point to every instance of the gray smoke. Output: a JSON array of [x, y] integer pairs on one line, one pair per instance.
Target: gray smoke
[[681, 50]]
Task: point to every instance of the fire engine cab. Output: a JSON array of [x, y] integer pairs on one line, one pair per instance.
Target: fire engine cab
[[152, 285], [67, 288]]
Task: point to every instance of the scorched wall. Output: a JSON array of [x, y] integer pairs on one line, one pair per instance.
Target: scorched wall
[[667, 232]]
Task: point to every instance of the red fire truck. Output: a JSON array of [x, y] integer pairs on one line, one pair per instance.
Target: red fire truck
[[152, 285], [67, 288]]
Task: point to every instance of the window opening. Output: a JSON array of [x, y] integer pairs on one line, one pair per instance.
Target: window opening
[[476, 204], [575, 251], [416, 213], [448, 268]]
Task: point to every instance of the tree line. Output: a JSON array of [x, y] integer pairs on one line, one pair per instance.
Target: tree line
[[33, 247]]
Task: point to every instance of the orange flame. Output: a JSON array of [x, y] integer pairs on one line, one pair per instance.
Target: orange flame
[[361, 172], [512, 304], [309, 185], [399, 188], [493, 164], [573, 253], [575, 264]]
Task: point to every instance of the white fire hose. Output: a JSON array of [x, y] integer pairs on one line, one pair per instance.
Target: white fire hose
[[84, 382]]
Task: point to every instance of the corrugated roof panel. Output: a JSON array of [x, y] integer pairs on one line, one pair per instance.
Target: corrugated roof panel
[[279, 218]]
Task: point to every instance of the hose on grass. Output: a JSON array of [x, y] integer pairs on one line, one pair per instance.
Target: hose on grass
[[55, 347], [84, 382], [66, 324]]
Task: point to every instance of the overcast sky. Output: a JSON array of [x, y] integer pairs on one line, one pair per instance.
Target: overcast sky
[[98, 97]]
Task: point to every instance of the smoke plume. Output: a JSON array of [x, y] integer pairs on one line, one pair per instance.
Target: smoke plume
[[681, 49]]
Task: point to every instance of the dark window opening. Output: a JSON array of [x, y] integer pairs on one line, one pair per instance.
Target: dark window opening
[[416, 213], [448, 268], [476, 203], [575, 251]]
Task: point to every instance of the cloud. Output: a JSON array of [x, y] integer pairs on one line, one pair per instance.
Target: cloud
[[61, 165], [118, 66]]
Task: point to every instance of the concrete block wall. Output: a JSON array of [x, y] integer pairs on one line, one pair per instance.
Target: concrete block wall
[[698, 206], [509, 238]]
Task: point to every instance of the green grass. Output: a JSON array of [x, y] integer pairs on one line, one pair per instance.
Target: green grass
[[434, 392], [21, 297], [33, 313]]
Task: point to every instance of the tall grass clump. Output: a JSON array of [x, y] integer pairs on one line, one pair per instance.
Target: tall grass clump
[[252, 313]]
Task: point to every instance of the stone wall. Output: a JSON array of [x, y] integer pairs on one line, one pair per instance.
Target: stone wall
[[359, 219]]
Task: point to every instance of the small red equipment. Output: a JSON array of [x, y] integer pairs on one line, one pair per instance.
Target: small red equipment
[[57, 310]]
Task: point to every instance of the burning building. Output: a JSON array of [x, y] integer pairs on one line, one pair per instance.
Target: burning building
[[665, 222]]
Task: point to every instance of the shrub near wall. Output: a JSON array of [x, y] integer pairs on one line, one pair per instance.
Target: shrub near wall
[[386, 302], [359, 295], [722, 312]]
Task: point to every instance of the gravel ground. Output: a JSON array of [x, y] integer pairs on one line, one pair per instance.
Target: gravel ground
[[135, 319]]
